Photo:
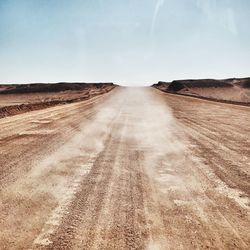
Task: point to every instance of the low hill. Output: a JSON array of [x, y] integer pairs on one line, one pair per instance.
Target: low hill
[[228, 90], [20, 98], [49, 87]]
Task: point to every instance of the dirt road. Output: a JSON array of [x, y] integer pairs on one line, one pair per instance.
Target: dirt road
[[131, 169]]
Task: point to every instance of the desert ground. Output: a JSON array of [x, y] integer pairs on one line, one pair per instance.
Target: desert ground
[[133, 168]]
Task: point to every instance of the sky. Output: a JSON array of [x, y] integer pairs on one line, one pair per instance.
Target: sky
[[129, 42]]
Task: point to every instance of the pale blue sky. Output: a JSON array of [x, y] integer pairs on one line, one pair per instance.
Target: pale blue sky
[[125, 41]]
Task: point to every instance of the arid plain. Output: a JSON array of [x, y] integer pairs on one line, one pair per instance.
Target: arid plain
[[126, 168]]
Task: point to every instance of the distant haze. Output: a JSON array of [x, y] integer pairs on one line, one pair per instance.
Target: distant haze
[[134, 42]]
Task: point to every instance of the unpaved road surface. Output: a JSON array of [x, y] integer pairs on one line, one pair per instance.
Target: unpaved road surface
[[131, 169]]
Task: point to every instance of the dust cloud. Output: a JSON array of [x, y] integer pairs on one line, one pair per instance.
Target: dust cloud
[[154, 129]]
